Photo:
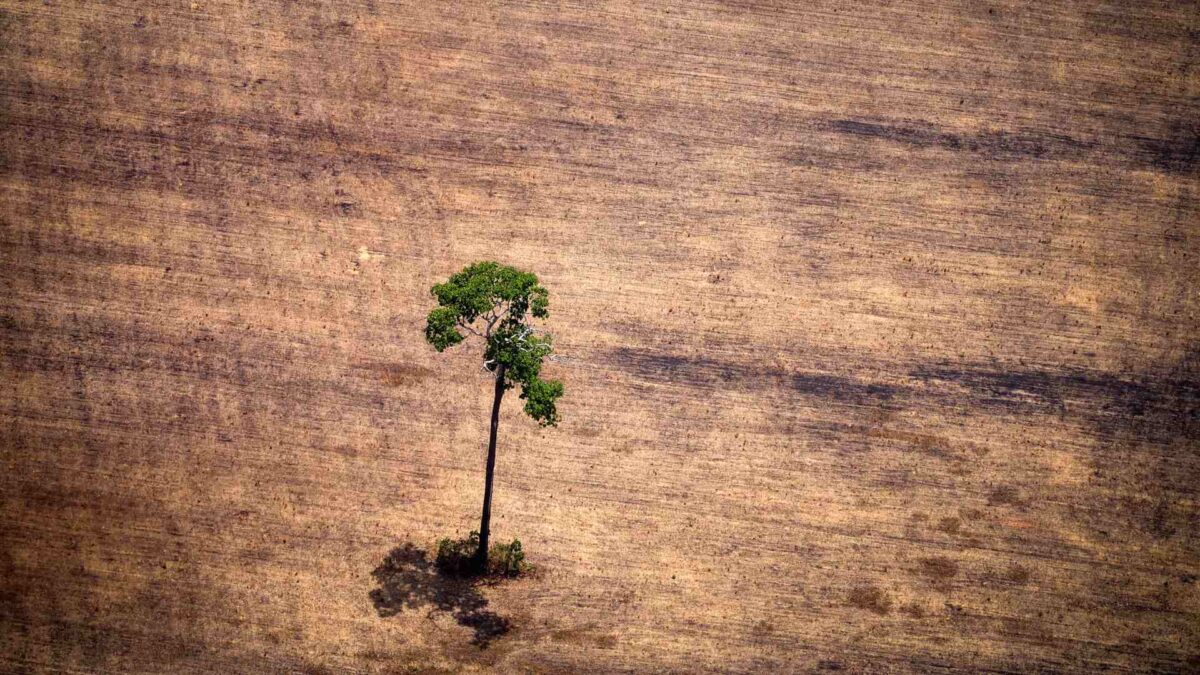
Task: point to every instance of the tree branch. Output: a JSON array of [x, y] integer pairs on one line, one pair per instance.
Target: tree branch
[[493, 316]]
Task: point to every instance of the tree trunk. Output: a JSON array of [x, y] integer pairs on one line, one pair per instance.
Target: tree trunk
[[485, 521]]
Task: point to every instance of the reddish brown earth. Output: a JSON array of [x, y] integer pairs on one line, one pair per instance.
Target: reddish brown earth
[[878, 322]]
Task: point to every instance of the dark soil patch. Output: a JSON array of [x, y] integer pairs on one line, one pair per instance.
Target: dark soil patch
[[870, 598], [949, 525], [938, 568], [1004, 495]]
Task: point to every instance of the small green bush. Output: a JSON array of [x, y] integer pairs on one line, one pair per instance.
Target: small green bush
[[456, 557], [507, 560]]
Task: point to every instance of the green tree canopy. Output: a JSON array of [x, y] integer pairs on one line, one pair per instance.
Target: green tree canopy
[[495, 302]]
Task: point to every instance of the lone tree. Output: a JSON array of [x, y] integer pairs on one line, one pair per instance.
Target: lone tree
[[495, 302]]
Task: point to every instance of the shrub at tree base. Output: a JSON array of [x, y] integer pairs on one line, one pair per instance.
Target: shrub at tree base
[[507, 560], [456, 557]]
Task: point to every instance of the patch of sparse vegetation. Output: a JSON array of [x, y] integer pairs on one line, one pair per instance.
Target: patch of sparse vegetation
[[970, 514], [762, 630], [625, 448], [959, 468], [585, 635], [1017, 574], [870, 598], [1004, 495], [939, 568], [949, 525]]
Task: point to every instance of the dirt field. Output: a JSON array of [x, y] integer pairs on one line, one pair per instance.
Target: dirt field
[[879, 326]]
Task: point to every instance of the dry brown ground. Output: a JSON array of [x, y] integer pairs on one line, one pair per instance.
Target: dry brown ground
[[879, 323]]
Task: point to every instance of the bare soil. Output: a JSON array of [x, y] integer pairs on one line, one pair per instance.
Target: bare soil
[[878, 323]]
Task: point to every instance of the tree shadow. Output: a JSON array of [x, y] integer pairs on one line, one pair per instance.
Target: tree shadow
[[408, 579]]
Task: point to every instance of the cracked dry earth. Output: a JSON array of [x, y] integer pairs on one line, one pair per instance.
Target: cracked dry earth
[[878, 323]]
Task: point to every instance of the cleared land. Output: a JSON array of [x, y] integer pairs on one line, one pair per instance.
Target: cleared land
[[879, 328]]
